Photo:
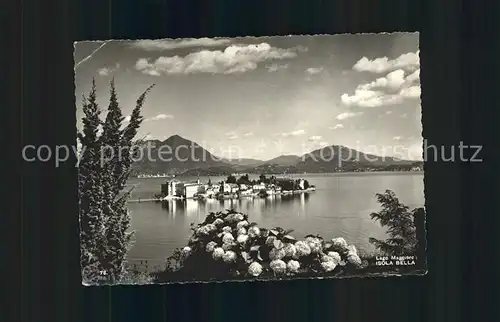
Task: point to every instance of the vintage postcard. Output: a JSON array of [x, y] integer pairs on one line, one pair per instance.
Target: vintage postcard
[[243, 159]]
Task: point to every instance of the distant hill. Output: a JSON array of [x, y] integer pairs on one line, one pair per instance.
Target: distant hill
[[178, 154], [336, 157], [284, 160], [243, 162], [193, 159]]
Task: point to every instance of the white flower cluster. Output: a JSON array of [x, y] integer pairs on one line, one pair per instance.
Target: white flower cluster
[[230, 239]]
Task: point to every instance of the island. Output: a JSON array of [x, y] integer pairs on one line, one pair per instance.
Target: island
[[234, 188]]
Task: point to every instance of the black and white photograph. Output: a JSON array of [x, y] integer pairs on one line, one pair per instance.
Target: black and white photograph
[[250, 159]]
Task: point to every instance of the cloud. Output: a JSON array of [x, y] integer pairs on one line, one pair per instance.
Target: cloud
[[369, 98], [315, 138], [394, 80], [231, 135], [248, 134], [168, 44], [161, 117], [105, 71], [414, 77], [275, 67], [384, 64], [336, 127], [397, 138], [411, 92], [388, 112], [314, 70], [347, 115], [294, 133], [323, 143], [234, 59], [394, 88]]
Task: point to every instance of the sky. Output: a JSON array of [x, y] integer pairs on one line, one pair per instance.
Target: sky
[[268, 96]]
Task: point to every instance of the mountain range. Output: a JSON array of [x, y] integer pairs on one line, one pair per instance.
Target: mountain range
[[180, 156]]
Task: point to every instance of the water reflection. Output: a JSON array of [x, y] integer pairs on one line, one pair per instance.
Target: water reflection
[[199, 208], [339, 207]]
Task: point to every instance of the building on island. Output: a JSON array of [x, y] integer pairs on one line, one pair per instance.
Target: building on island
[[258, 187], [171, 188], [192, 189], [231, 187], [176, 188], [247, 192]]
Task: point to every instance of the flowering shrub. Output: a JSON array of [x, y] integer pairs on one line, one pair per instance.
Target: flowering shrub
[[226, 246]]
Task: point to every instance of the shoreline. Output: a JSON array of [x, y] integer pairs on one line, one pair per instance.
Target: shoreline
[[253, 196], [346, 173]]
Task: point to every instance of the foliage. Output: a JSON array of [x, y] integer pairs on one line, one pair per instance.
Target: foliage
[[231, 179], [226, 246], [401, 226], [244, 180], [104, 217]]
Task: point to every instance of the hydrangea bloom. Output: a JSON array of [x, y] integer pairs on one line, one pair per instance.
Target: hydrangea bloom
[[227, 238], [228, 246], [206, 230], [218, 253], [234, 218], [335, 256], [277, 253], [270, 240], [218, 222], [353, 259], [326, 258], [211, 246], [229, 256], [290, 250], [242, 224], [227, 229], [255, 269], [253, 231], [328, 266], [352, 249], [242, 239], [293, 266], [339, 243], [242, 231], [315, 244], [302, 249], [278, 266]]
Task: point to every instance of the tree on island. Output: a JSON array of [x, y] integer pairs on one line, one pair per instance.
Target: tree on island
[[104, 216], [243, 180], [306, 184], [405, 227], [231, 179]]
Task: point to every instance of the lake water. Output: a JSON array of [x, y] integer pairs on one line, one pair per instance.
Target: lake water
[[340, 207]]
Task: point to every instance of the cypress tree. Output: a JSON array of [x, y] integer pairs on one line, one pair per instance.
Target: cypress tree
[[117, 143], [104, 217], [90, 191]]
